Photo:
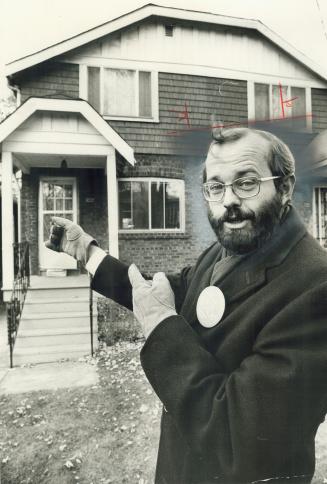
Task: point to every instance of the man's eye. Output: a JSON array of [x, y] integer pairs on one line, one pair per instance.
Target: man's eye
[[216, 187], [247, 183]]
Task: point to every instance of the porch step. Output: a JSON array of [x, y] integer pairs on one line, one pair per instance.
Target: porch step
[[36, 293], [55, 322], [48, 354], [31, 338], [52, 305]]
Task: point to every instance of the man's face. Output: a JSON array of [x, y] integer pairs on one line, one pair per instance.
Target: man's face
[[243, 225]]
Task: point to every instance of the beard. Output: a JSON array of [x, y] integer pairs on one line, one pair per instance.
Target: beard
[[259, 228]]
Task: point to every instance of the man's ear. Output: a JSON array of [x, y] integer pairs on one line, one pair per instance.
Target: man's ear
[[286, 188]]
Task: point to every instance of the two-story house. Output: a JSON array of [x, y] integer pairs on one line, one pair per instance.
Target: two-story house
[[113, 126]]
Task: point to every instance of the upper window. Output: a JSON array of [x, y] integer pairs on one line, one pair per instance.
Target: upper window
[[320, 214], [279, 101], [121, 93], [151, 204]]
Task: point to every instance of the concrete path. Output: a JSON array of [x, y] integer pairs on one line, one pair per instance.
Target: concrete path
[[46, 376]]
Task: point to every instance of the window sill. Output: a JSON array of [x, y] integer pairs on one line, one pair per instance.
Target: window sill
[[152, 235], [131, 118]]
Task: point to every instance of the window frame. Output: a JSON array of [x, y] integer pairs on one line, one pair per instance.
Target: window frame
[[274, 82], [317, 230], [149, 230], [154, 91]]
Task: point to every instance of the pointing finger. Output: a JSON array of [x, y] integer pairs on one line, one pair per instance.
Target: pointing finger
[[62, 222], [135, 276]]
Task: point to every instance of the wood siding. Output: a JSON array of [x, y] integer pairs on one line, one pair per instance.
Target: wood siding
[[193, 44], [205, 98], [49, 79]]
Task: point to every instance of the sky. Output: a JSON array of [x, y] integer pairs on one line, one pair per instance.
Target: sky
[[30, 25]]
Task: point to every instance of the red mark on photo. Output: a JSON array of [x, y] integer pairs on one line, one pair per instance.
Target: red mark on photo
[[183, 115], [286, 102]]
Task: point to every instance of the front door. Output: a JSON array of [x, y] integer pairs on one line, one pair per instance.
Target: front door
[[57, 196]]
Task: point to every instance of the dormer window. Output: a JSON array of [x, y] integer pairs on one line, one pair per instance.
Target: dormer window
[[122, 93]]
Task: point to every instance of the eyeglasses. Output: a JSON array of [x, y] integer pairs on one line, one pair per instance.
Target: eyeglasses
[[246, 187]]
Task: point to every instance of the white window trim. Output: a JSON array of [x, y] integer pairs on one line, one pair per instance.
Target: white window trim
[[181, 207], [83, 92], [288, 85], [314, 212]]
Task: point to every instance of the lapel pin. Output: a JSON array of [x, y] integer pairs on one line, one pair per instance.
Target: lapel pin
[[210, 306]]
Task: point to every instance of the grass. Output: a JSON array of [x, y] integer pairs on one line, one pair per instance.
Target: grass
[[105, 434]]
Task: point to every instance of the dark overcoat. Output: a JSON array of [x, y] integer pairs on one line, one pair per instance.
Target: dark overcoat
[[242, 400]]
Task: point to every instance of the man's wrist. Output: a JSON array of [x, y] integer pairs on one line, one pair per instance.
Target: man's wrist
[[95, 256]]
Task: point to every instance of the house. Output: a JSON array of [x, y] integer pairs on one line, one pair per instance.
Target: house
[[113, 125]]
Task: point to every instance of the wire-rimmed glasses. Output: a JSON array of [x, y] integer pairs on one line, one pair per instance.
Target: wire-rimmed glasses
[[245, 187]]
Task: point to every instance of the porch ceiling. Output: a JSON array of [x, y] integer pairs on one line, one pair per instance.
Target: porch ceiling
[[37, 160]]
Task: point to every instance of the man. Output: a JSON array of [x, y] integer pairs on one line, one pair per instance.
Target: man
[[241, 371]]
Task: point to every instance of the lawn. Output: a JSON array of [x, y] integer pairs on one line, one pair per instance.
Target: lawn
[[103, 434]]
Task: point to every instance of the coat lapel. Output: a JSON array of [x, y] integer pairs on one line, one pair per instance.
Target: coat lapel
[[250, 273]]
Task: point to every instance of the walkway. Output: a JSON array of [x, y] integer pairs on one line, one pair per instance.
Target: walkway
[[47, 376]]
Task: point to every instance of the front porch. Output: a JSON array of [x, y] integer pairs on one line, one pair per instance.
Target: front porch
[[57, 144], [55, 323]]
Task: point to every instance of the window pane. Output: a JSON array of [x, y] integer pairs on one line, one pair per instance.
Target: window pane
[[145, 94], [93, 86], [69, 204], [261, 96], [125, 206], [173, 196], [298, 106], [157, 205], [140, 205], [119, 92], [68, 189]]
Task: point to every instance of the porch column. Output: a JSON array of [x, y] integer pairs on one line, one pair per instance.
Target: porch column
[[7, 223], [112, 200]]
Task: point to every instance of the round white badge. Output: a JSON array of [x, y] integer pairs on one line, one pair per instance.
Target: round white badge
[[210, 306]]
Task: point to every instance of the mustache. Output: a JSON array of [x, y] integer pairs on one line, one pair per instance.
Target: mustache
[[234, 214]]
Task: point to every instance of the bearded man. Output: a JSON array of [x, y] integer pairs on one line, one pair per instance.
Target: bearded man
[[236, 346]]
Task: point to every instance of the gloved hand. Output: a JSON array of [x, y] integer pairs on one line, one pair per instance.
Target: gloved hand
[[153, 301], [68, 237]]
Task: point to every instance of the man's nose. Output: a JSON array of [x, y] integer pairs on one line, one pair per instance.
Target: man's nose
[[230, 198]]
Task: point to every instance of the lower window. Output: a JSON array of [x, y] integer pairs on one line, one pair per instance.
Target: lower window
[[320, 214], [151, 204]]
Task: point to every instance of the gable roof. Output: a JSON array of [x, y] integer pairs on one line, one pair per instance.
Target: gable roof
[[33, 104], [155, 10]]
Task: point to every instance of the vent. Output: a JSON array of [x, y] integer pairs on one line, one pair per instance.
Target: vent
[[169, 30]]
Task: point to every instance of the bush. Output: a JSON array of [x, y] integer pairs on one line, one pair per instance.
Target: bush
[[116, 323]]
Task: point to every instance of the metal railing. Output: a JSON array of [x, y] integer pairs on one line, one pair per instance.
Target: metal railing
[[91, 314], [20, 287]]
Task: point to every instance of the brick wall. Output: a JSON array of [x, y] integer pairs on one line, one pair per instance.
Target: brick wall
[[49, 79], [319, 109], [169, 252], [92, 214]]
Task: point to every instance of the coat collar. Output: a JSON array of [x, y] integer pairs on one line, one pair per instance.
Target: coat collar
[[251, 271]]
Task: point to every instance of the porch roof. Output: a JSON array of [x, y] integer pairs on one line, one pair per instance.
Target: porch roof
[[69, 107]]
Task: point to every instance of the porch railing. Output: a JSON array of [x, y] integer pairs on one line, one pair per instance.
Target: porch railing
[[20, 287], [91, 314]]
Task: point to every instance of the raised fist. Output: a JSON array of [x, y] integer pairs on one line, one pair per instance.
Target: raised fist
[[68, 237]]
